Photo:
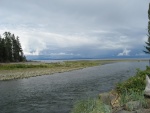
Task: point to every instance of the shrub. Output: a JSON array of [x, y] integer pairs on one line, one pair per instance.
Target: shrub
[[133, 96], [91, 106], [135, 83]]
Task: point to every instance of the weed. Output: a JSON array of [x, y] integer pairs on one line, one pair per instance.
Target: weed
[[91, 106], [131, 95], [136, 83]]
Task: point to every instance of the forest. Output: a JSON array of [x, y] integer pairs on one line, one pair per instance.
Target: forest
[[10, 48]]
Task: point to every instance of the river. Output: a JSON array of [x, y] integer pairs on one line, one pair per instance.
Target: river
[[58, 92]]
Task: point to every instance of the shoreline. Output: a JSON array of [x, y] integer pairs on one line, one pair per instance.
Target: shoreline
[[126, 97], [38, 69]]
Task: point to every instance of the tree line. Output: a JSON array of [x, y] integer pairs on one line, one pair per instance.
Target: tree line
[[10, 48], [148, 41]]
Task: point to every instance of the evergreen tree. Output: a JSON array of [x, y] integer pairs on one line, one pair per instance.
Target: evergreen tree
[[1, 48], [10, 48], [19, 50], [148, 41], [14, 52], [3, 54]]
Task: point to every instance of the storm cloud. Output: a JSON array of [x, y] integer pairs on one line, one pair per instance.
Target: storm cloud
[[80, 28]]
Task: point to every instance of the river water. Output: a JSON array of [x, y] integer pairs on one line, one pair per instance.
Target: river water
[[58, 92]]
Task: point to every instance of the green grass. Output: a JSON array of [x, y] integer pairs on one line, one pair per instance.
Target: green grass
[[136, 83], [129, 96], [133, 88], [82, 64], [129, 90], [75, 64], [10, 71], [91, 106], [17, 66]]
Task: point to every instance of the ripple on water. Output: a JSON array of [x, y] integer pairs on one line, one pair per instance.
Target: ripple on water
[[58, 92]]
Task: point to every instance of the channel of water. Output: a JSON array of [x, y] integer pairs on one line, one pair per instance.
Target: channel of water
[[57, 93]]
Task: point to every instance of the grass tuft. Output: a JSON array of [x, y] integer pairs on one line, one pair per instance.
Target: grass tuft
[[136, 83], [91, 106], [129, 96]]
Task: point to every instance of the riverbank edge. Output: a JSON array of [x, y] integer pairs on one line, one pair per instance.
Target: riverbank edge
[[21, 73], [55, 67], [113, 101], [128, 96]]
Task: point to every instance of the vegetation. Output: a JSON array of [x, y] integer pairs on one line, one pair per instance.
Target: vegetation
[[82, 64], [10, 71], [133, 96], [148, 42], [10, 48], [136, 83], [133, 88], [20, 70], [91, 106], [130, 90]]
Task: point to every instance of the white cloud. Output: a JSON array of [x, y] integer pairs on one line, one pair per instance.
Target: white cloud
[[35, 41], [125, 52], [60, 26], [63, 54]]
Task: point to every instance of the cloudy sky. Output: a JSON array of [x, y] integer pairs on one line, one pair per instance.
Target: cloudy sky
[[77, 28]]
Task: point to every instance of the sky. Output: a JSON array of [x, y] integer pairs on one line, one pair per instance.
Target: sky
[[77, 28]]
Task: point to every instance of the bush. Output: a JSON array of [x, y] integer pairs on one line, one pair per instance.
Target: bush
[[91, 106], [136, 83], [129, 96]]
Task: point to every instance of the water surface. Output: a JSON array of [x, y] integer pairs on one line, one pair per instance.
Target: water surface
[[57, 93]]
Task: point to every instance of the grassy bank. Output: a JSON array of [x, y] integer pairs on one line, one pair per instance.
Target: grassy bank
[[10, 71], [129, 94], [91, 106], [136, 83]]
